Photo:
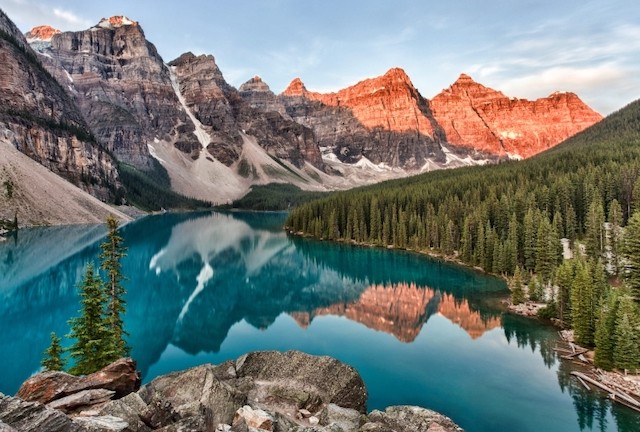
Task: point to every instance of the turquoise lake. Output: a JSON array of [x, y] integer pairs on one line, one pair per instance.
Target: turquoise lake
[[207, 287]]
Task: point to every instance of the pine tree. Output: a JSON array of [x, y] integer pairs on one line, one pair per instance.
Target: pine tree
[[631, 252], [626, 353], [91, 350], [615, 222], [605, 331], [581, 303], [536, 289], [53, 360], [594, 228], [112, 252], [517, 292], [564, 280]]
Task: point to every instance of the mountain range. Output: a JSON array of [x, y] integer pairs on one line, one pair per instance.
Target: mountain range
[[85, 104]]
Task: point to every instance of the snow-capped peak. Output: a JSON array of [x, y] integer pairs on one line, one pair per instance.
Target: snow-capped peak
[[115, 22], [42, 33]]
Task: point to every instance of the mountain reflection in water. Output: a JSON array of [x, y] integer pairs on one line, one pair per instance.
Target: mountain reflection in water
[[208, 287]]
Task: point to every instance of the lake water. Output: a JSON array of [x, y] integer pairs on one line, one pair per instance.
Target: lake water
[[207, 287]]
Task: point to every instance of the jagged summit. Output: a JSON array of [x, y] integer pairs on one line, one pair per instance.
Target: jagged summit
[[255, 84], [295, 88], [396, 74], [42, 33], [115, 22], [464, 78]]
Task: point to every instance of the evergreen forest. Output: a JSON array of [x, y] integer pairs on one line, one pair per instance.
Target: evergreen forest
[[519, 219]]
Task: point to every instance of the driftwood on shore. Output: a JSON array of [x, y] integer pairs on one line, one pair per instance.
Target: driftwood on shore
[[617, 395]]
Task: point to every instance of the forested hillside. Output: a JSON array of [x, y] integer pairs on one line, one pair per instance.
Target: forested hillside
[[509, 219], [498, 217]]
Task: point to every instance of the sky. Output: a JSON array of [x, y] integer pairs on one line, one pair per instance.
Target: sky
[[524, 48]]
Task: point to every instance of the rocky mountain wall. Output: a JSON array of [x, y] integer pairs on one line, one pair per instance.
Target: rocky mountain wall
[[40, 119]]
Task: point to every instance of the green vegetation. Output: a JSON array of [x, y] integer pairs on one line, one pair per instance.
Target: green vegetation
[[151, 190], [275, 196], [112, 252], [509, 218], [98, 332], [53, 355], [497, 217], [8, 187]]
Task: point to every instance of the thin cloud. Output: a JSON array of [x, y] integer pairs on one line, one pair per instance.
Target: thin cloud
[[28, 14]]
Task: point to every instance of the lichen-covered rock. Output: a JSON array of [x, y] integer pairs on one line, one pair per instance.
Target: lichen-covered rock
[[131, 409], [101, 424], [408, 419], [302, 377], [261, 391], [120, 376], [33, 416], [195, 392], [45, 387], [83, 400]]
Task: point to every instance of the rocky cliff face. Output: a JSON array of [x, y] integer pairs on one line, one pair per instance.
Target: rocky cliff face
[[122, 87], [40, 119], [481, 118], [224, 112], [384, 119]]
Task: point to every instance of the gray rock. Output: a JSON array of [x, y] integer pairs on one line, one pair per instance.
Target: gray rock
[[85, 399], [345, 418], [195, 392], [303, 376], [6, 428], [190, 424], [101, 424], [33, 416], [131, 409], [409, 419]]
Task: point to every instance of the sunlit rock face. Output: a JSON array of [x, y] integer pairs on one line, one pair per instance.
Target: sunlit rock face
[[383, 119], [42, 33], [484, 119]]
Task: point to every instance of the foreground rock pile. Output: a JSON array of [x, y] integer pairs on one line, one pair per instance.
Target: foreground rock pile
[[262, 391]]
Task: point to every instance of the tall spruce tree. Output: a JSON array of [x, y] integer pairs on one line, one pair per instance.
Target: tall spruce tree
[[53, 360], [626, 353], [91, 351], [631, 252], [517, 291], [605, 331], [112, 252]]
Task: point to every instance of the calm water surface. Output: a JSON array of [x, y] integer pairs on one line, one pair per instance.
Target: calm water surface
[[211, 286]]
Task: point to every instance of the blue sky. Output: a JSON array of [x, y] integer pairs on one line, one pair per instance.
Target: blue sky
[[524, 48]]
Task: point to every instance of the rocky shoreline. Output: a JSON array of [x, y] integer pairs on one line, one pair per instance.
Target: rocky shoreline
[[258, 392]]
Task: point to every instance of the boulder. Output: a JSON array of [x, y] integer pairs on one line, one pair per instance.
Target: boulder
[[131, 409], [303, 377], [195, 392], [344, 418], [46, 386], [120, 376], [408, 419], [101, 424], [256, 419], [33, 417], [83, 400]]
